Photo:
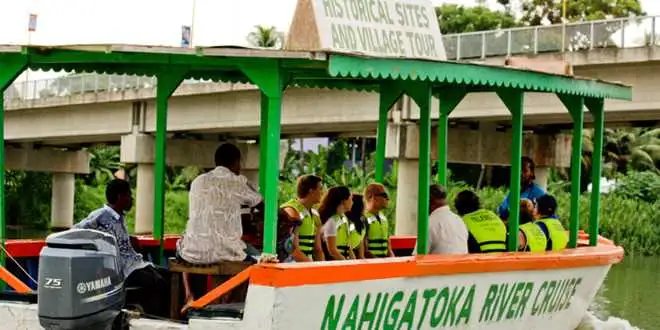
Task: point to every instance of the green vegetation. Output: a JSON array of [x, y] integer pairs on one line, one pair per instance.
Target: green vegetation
[[630, 215]]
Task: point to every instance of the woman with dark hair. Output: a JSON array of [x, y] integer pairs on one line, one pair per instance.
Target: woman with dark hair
[[358, 226], [336, 228]]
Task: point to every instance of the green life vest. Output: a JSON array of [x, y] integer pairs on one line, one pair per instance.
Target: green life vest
[[536, 240], [343, 234], [356, 237], [307, 231], [557, 234], [378, 234], [487, 229]]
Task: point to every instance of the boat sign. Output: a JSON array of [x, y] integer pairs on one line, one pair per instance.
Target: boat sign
[[379, 28], [547, 299]]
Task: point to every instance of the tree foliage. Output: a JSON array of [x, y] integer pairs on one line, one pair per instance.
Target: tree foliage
[[537, 12], [266, 37], [458, 19]]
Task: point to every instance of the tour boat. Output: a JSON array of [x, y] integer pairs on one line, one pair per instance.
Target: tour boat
[[511, 290]]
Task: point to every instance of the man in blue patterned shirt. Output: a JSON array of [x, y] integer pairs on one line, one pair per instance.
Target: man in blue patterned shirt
[[137, 272]]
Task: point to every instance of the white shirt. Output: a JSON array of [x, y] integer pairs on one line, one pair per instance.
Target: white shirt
[[447, 232], [213, 232]]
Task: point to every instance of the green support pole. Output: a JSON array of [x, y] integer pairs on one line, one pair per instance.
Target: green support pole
[[390, 93], [597, 109], [449, 100], [262, 140], [575, 106], [513, 100], [272, 82], [8, 72], [421, 93], [167, 83]]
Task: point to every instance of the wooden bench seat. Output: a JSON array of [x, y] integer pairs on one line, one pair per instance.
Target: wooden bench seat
[[225, 268], [220, 273]]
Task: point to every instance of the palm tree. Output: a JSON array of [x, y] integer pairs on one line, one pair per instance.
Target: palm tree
[[266, 37]]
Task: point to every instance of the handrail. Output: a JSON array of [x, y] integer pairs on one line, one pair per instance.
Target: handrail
[[461, 46], [220, 290], [13, 281]]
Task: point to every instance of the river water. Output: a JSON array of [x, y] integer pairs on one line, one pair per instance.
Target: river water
[[631, 292]]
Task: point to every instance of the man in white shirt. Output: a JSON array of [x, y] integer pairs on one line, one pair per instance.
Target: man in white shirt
[[214, 230], [447, 231]]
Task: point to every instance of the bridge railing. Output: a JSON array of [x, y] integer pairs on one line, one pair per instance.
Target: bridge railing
[[613, 33]]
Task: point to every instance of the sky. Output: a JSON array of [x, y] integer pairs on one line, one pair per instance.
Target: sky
[[155, 22]]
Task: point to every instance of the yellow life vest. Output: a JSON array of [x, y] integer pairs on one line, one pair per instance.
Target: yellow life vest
[[536, 240], [356, 237], [557, 234], [487, 229], [307, 231], [378, 234], [343, 234]]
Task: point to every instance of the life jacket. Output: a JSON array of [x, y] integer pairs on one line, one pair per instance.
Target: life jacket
[[557, 235], [536, 240], [487, 229], [307, 231], [343, 234], [378, 234], [356, 237]]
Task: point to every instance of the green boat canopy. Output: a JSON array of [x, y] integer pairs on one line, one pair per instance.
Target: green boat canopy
[[307, 69]]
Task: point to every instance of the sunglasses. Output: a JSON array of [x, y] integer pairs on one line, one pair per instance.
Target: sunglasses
[[383, 194]]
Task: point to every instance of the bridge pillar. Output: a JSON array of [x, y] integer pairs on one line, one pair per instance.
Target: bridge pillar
[[62, 200], [144, 202]]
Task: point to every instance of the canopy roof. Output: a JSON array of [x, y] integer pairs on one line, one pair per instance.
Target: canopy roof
[[312, 69]]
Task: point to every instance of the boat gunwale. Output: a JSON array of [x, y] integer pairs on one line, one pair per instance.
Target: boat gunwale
[[332, 272]]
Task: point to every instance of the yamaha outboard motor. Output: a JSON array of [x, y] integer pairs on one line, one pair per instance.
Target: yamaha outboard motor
[[80, 283]]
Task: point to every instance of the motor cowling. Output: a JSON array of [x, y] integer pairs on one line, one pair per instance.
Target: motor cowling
[[80, 282]]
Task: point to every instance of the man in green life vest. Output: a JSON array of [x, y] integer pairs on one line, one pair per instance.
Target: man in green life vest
[[307, 238], [546, 207], [378, 231], [487, 232]]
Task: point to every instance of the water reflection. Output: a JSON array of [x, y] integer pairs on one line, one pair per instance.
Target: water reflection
[[631, 292]]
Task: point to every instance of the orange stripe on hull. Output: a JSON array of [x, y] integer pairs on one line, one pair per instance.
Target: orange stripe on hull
[[285, 275]]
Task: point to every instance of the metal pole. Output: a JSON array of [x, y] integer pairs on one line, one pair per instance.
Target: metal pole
[[423, 100], [597, 109], [381, 140], [271, 169], [513, 100], [575, 106]]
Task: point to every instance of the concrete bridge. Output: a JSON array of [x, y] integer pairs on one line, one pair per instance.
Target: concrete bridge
[[73, 112]]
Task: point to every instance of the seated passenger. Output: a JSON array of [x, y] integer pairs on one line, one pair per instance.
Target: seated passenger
[[336, 229], [307, 243], [213, 232], [447, 231], [358, 226], [528, 189], [549, 223], [530, 236], [378, 228], [137, 273], [487, 232], [286, 228]]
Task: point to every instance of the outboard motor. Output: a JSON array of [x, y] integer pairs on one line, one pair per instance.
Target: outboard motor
[[80, 282]]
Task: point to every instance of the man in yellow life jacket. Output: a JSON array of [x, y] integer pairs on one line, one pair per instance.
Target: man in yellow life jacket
[[487, 232], [549, 223], [307, 239], [377, 238]]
